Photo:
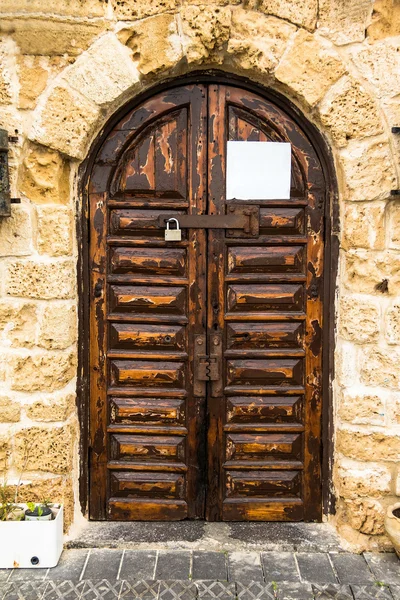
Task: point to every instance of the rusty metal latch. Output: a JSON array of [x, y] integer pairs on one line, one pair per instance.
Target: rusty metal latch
[[207, 367]]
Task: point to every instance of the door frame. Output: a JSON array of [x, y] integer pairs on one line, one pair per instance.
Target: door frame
[[331, 257]]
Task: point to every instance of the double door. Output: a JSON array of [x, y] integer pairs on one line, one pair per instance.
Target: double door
[[205, 353]]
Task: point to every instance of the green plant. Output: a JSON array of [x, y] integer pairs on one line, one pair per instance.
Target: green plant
[[33, 507]]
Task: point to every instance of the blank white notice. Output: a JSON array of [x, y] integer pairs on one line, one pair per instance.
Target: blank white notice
[[258, 170]]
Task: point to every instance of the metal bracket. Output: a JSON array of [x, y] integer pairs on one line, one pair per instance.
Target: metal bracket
[[5, 208], [207, 367]]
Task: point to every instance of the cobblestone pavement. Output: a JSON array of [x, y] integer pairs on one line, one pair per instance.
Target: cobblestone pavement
[[112, 574]]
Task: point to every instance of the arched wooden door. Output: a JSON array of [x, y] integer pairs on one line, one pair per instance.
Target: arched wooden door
[[166, 443]]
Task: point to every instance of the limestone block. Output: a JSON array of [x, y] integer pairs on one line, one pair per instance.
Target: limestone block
[[342, 21], [6, 78], [346, 364], [55, 228], [51, 408], [18, 322], [44, 176], [206, 31], [65, 122], [42, 372], [393, 408], [257, 41], [362, 408], [385, 20], [10, 410], [366, 516], [47, 449], [359, 318], [368, 170], [310, 67], [127, 10], [298, 12], [366, 269], [104, 72], [43, 280], [381, 367], [58, 326], [362, 479], [4, 449], [364, 225], [394, 225], [32, 80], [392, 323], [16, 232], [366, 445], [155, 42], [44, 37], [73, 8], [397, 483], [379, 63], [349, 112]]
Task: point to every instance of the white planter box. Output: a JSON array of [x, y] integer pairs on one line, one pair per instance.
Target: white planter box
[[22, 542]]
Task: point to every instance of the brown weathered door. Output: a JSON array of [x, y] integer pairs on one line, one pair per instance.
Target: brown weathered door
[[167, 444]]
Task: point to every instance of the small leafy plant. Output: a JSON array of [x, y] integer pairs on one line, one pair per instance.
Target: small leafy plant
[[35, 508]]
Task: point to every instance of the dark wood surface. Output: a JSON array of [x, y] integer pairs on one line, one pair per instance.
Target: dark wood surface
[[247, 445]]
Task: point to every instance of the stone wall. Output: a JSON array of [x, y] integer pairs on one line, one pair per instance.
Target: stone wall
[[67, 65]]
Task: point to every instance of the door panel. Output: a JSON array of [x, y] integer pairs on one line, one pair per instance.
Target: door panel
[[245, 311]]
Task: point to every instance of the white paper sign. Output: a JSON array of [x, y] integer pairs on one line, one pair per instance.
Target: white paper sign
[[258, 170]]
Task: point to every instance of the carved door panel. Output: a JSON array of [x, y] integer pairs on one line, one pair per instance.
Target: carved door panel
[[165, 443]]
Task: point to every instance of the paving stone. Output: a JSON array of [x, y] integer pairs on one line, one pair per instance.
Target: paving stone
[[28, 575], [138, 564], [209, 565], [352, 568], [245, 567], [64, 590], [173, 565], [213, 590], [395, 590], [385, 567], [140, 590], [315, 568], [332, 591], [177, 590], [255, 590], [27, 590], [294, 591], [4, 574], [106, 590], [371, 592], [102, 565], [279, 566], [70, 565]]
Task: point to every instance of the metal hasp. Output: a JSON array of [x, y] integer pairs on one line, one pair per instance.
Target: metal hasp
[[5, 208], [207, 367], [241, 220]]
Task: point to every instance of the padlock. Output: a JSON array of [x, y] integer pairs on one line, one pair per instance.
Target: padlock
[[173, 235]]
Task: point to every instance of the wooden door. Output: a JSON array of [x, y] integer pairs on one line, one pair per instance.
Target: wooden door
[[247, 445]]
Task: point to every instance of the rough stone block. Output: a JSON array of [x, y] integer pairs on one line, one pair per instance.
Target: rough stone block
[[379, 63], [385, 20], [364, 225], [65, 122], [349, 112], [359, 318], [4, 448], [368, 170], [73, 8], [48, 409], [257, 41], [44, 449], [126, 10], [54, 230], [342, 21], [6, 73], [298, 12], [393, 409], [16, 232], [32, 80], [366, 515], [10, 410], [379, 367], [206, 31], [44, 37], [362, 408], [362, 479], [393, 214], [56, 488], [365, 270], [155, 41], [44, 280], [42, 372], [366, 445], [57, 326], [18, 322], [310, 67], [346, 364], [392, 323], [44, 176], [104, 72]]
